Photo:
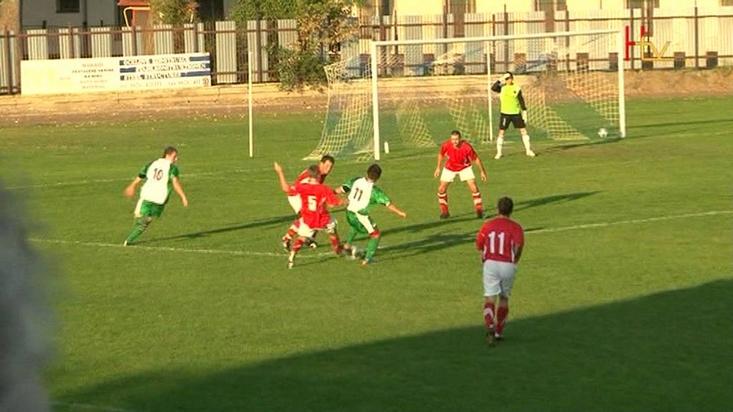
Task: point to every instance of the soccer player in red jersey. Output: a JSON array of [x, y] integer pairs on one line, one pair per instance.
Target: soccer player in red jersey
[[500, 242], [460, 156], [315, 198], [324, 168]]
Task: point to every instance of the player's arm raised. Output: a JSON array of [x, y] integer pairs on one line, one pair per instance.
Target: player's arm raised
[[281, 177], [179, 190]]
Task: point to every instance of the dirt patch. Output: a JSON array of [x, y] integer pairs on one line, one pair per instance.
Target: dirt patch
[[231, 101]]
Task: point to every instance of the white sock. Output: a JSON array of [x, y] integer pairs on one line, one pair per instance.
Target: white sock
[[499, 143], [525, 140]]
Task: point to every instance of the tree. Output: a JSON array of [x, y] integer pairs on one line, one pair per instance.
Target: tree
[[322, 25], [175, 12]]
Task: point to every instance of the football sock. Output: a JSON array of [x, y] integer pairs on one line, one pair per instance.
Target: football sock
[[335, 243], [139, 227], [499, 144], [525, 140], [477, 204], [297, 245], [489, 315], [443, 202], [501, 316], [372, 244], [292, 230]]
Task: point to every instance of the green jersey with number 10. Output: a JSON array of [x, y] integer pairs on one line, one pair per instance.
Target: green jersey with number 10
[[363, 194]]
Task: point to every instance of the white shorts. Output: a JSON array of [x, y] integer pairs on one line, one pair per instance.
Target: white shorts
[[306, 231], [295, 203], [499, 278], [465, 174]]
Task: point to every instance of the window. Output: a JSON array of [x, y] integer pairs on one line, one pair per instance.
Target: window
[[640, 4], [547, 5], [67, 6], [461, 6]]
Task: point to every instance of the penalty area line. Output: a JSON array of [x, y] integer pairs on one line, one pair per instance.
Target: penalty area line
[[174, 249]]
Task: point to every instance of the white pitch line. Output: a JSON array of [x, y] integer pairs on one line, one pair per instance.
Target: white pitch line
[[631, 221], [323, 254], [173, 249]]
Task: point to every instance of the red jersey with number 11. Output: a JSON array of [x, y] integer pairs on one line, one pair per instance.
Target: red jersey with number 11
[[499, 239], [459, 157], [315, 199]]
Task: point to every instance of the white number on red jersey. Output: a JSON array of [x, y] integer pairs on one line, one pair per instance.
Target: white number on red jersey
[[312, 204], [492, 238]]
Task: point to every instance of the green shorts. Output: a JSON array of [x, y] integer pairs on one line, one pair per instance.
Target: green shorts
[[362, 224], [146, 208]]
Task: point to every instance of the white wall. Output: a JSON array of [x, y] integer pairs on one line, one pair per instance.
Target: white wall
[[418, 7], [36, 11]]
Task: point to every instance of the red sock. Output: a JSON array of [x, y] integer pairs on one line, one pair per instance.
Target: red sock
[[501, 318], [477, 201], [292, 230], [443, 202], [335, 243], [297, 245], [489, 315]]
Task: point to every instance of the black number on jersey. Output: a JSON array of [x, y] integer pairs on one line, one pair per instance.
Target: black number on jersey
[[158, 174], [358, 193]]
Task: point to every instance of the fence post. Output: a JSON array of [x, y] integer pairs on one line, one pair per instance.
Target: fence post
[[631, 36], [133, 30], [697, 40], [506, 44], [8, 62], [258, 46]]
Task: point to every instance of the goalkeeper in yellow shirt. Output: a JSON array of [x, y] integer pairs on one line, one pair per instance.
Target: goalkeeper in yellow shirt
[[513, 111]]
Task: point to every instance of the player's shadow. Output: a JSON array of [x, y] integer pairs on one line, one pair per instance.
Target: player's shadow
[[438, 241], [601, 357], [232, 228], [553, 199]]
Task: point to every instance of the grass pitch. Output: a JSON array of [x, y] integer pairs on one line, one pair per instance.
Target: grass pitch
[[622, 300]]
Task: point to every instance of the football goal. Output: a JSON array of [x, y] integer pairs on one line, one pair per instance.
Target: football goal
[[407, 94]]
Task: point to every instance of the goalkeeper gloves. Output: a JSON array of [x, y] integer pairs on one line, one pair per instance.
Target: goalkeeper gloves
[[524, 115]]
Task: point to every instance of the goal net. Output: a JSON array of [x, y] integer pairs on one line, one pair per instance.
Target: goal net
[[411, 94]]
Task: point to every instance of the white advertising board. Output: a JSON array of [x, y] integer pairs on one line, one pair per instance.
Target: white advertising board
[[115, 73]]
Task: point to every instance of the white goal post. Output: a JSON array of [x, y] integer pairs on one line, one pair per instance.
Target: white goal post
[[375, 45], [412, 93]]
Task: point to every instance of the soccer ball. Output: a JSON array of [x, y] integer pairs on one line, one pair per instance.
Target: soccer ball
[[602, 133]]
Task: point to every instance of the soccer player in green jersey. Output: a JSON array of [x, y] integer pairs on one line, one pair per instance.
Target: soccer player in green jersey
[[362, 195], [160, 177], [512, 110]]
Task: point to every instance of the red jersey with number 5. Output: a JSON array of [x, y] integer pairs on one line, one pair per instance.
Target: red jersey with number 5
[[499, 239], [301, 177], [315, 199], [459, 157]]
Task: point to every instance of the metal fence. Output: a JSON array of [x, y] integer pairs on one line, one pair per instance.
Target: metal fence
[[697, 38]]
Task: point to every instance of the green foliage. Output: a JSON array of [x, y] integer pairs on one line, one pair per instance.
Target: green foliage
[[321, 26], [297, 68], [174, 12]]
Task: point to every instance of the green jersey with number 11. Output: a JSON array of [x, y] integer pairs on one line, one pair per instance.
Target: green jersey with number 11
[[363, 194]]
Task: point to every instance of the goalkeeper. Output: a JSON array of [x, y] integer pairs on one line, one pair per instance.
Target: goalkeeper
[[362, 195], [513, 110]]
